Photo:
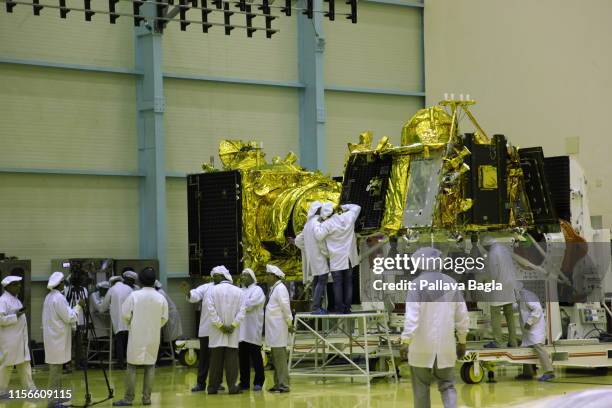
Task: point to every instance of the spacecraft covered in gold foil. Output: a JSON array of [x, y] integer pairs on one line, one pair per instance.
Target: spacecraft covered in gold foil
[[439, 179], [266, 204]]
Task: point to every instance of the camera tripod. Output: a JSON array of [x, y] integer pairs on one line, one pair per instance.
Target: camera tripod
[[89, 329]]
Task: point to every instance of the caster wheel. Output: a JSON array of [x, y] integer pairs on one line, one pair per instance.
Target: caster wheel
[[469, 374]]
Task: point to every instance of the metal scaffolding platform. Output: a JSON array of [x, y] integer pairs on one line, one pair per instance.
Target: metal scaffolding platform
[[352, 346]]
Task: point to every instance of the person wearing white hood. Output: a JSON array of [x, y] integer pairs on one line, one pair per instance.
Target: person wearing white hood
[[226, 308], [100, 320], [249, 348], [315, 262], [199, 295], [428, 339], [14, 348], [113, 300], [533, 327], [174, 328], [58, 318], [146, 312], [338, 233], [500, 267], [279, 322], [130, 278]]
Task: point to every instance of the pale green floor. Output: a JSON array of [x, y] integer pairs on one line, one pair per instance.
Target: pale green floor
[[172, 390]]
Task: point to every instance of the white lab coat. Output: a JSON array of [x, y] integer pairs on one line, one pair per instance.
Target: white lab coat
[[278, 316], [199, 295], [145, 312], [174, 328], [13, 332], [430, 323], [530, 311], [314, 252], [338, 231], [501, 269], [113, 300], [226, 306], [100, 320], [252, 325], [58, 318]]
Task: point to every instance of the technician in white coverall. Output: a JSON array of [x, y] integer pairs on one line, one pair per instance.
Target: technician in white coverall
[[13, 337], [315, 262], [338, 233], [58, 318], [226, 308], [146, 312], [279, 323], [428, 338]]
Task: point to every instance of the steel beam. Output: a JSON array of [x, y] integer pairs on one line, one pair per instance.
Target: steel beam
[[76, 67], [402, 3], [375, 91], [151, 144], [311, 45]]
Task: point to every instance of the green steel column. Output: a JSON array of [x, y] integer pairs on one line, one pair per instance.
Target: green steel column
[[151, 144], [311, 45]]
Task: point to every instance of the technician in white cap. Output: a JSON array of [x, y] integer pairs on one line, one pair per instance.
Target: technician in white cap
[[101, 321], [428, 340], [13, 337], [174, 328], [315, 262], [130, 278], [146, 312], [500, 266], [279, 322], [58, 318], [226, 309], [199, 295], [338, 233], [249, 348], [113, 300]]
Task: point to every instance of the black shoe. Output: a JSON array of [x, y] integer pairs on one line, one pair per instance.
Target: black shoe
[[212, 392], [146, 402], [523, 377], [283, 389], [274, 389], [221, 388], [234, 391], [245, 387], [198, 388]]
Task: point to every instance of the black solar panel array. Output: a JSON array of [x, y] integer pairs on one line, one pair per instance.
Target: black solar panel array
[[536, 186], [214, 212], [557, 171], [365, 183], [489, 205]]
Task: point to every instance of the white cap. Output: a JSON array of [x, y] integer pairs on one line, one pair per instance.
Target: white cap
[[327, 209], [103, 285], [250, 272], [55, 279], [222, 270], [314, 206], [130, 274], [114, 279], [10, 279], [275, 270], [429, 255]]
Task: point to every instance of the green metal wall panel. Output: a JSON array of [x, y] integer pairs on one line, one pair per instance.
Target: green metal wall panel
[[200, 114], [382, 51], [71, 40], [349, 114], [45, 217], [176, 192], [216, 54], [55, 118]]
